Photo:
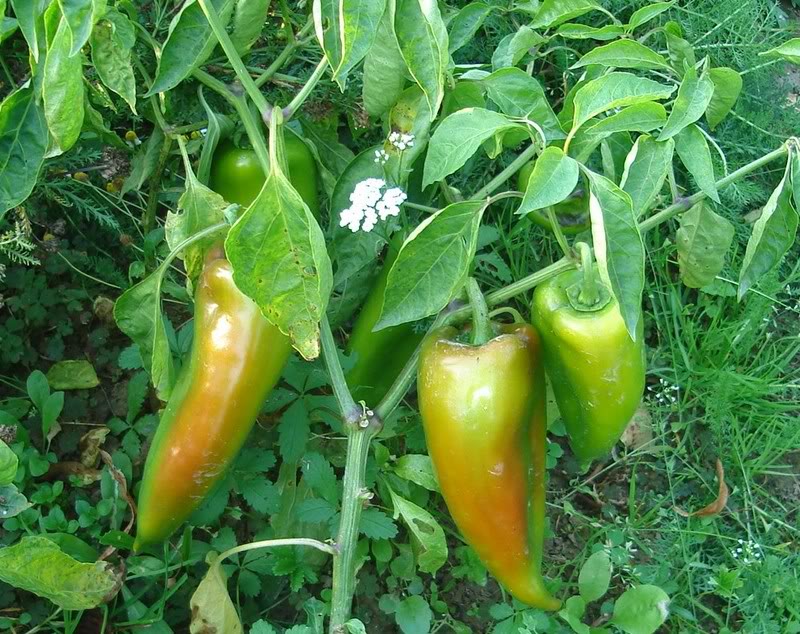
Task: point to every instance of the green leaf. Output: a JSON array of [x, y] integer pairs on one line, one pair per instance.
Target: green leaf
[[144, 162], [37, 565], [514, 46], [112, 41], [23, 142], [646, 170], [375, 524], [351, 28], [81, 16], [618, 246], [432, 264], [189, 43], [573, 31], [789, 50], [414, 615], [615, 90], [640, 117], [72, 375], [8, 465], [574, 609], [641, 610], [694, 95], [554, 177], [12, 502], [319, 475], [410, 114], [219, 126], [418, 469], [315, 511], [693, 150], [554, 12], [432, 552], [38, 388], [211, 605], [138, 314], [333, 155], [647, 13], [458, 137], [595, 576], [623, 54], [93, 122], [773, 233], [279, 259], [62, 89], [354, 626], [262, 627], [249, 18], [681, 53], [384, 68], [28, 14], [422, 37], [727, 86], [517, 94], [466, 23], [198, 208], [703, 240], [8, 26]]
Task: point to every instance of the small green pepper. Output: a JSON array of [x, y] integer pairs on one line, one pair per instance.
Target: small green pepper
[[237, 176], [597, 371]]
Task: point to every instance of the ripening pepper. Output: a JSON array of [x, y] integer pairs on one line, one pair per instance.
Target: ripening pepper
[[596, 370], [237, 176], [572, 214], [381, 355], [483, 411], [237, 357]]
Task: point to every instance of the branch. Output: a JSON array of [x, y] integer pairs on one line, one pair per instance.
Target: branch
[[233, 57]]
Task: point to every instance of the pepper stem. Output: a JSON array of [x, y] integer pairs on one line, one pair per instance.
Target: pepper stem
[[481, 325], [508, 310], [589, 293]]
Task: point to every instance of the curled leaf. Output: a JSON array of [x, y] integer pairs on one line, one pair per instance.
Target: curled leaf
[[716, 507]]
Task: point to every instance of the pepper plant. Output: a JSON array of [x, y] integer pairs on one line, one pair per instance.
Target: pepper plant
[[604, 114]]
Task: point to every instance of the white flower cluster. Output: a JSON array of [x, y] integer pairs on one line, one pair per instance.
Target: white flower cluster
[[665, 392], [748, 552], [381, 156], [401, 141], [369, 203]]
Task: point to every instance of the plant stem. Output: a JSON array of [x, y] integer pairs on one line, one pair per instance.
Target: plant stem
[[273, 543], [149, 219], [481, 326], [354, 496], [219, 87], [285, 54], [526, 155], [560, 238], [351, 411], [676, 208], [254, 132], [589, 294], [294, 105], [233, 57]]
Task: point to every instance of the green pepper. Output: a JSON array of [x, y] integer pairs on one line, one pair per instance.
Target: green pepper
[[237, 176], [483, 411], [596, 370], [237, 357], [380, 355], [572, 213]]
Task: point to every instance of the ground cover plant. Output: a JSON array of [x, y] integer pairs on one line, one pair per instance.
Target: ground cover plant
[[372, 316]]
